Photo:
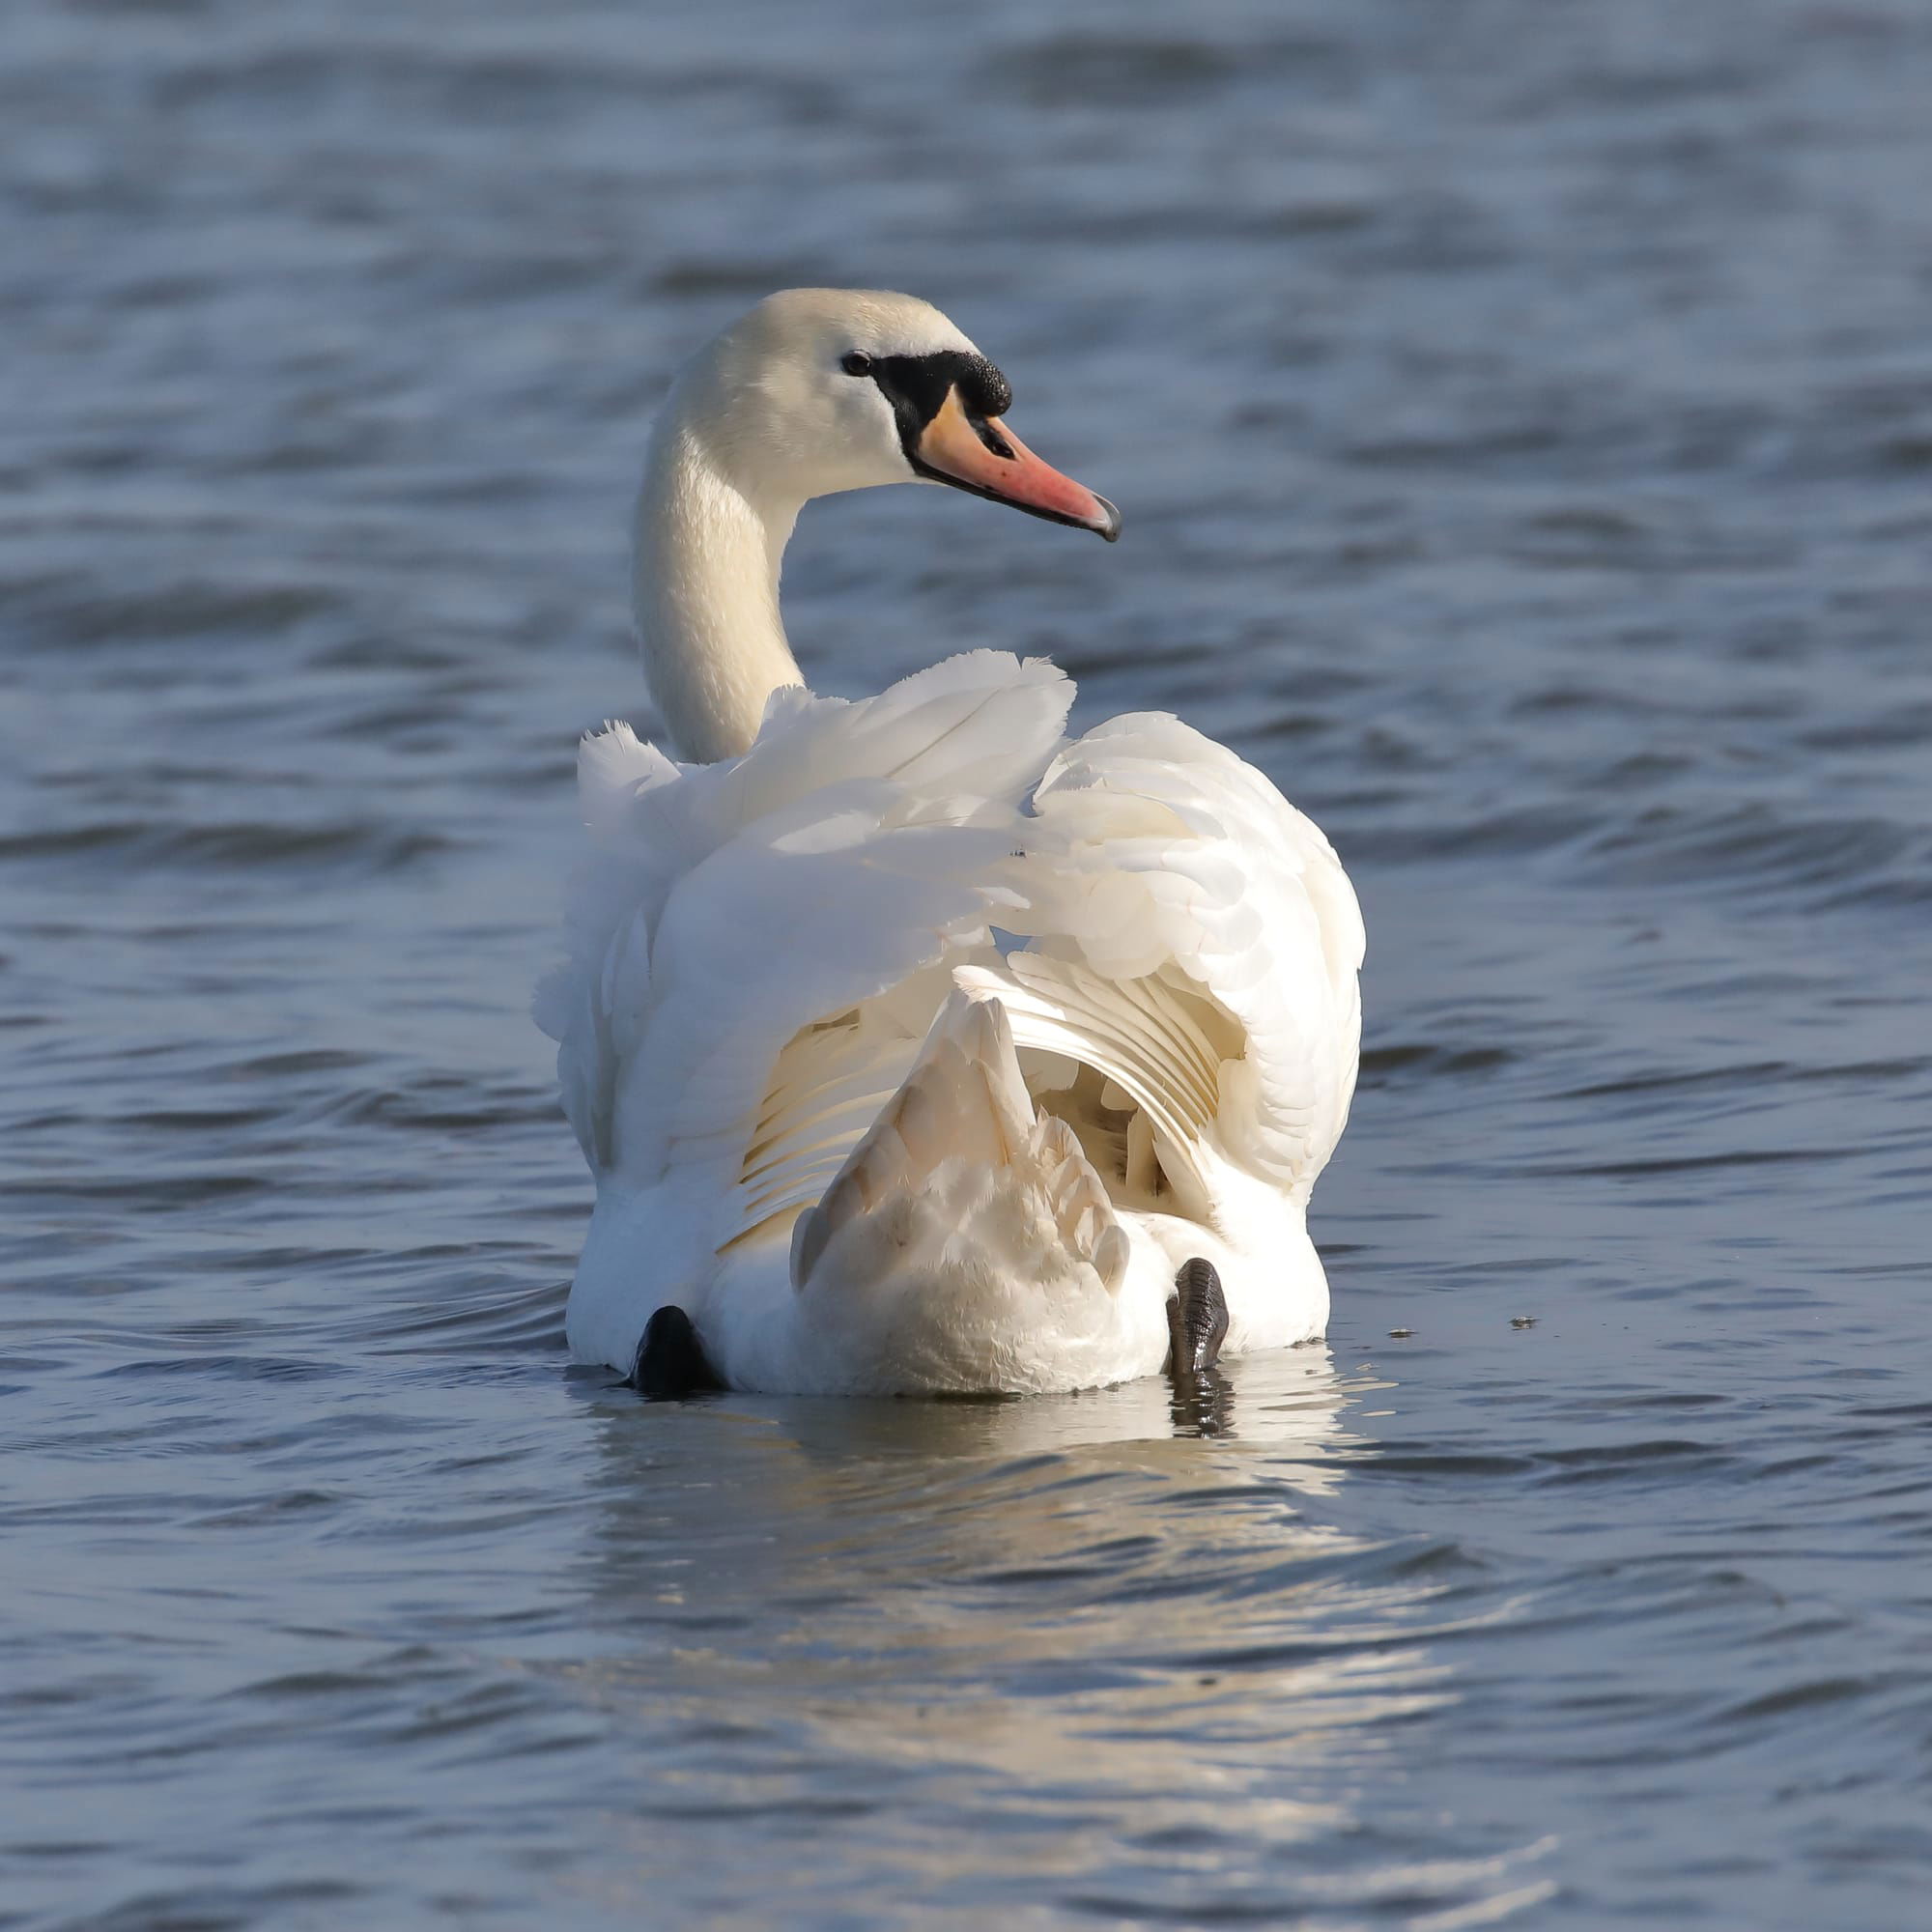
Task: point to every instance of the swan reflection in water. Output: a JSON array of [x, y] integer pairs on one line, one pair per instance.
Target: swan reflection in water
[[1098, 1639]]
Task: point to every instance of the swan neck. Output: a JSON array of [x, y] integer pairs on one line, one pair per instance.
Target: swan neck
[[706, 591]]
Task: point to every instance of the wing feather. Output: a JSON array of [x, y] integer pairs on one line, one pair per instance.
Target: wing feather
[[728, 912], [1194, 937]]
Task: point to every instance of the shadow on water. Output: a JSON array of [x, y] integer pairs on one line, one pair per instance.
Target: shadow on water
[[1113, 1628], [1203, 1403]]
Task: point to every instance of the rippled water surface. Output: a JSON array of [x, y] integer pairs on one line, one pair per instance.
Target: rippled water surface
[[1522, 414]]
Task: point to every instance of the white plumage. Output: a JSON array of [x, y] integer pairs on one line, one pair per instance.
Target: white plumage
[[914, 1048]]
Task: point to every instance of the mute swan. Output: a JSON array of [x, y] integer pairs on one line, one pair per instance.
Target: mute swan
[[913, 1047]]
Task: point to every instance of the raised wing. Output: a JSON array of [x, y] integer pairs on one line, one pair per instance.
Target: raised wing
[[748, 941], [1193, 939]]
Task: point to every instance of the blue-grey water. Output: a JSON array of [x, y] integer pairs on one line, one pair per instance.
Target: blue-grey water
[[1522, 416]]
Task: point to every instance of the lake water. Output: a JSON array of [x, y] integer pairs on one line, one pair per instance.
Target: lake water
[[1523, 418]]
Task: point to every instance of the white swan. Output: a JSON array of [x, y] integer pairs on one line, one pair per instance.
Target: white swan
[[914, 1048]]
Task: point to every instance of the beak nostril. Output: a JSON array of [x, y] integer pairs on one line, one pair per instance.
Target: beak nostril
[[992, 437]]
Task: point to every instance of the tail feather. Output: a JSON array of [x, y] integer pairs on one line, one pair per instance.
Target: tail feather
[[1082, 1210], [965, 1103]]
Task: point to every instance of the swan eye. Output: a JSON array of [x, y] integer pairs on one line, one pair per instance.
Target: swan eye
[[856, 362]]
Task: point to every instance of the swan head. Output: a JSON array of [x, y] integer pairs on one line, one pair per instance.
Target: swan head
[[821, 390]]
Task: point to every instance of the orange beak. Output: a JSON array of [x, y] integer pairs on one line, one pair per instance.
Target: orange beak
[[983, 456]]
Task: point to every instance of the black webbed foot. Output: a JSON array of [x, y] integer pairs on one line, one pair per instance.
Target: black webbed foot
[[1197, 1325], [670, 1362], [1197, 1319]]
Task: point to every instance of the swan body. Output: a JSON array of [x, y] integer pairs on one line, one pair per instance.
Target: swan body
[[913, 1047]]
